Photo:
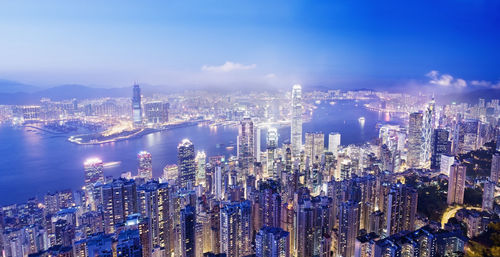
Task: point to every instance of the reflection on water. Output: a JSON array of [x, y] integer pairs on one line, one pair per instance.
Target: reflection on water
[[34, 163]]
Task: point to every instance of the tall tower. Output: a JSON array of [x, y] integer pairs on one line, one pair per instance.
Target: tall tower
[[136, 106], [456, 184], [348, 228], [93, 174], [188, 224], [440, 146], [272, 242], [187, 164], [333, 143], [495, 168], [296, 126], [246, 145], [145, 165], [415, 140]]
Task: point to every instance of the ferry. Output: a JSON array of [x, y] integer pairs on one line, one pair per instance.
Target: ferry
[[361, 119]]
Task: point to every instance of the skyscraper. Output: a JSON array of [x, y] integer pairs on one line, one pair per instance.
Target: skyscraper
[[440, 146], [272, 242], [145, 165], [333, 142], [314, 146], [415, 140], [495, 167], [296, 126], [456, 184], [93, 174], [200, 167], [119, 199], [156, 112], [188, 224], [246, 146], [235, 229], [348, 228], [427, 131], [488, 195], [136, 106], [401, 209], [187, 164]]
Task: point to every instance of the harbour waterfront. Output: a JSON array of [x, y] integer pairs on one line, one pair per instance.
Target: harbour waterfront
[[33, 162]]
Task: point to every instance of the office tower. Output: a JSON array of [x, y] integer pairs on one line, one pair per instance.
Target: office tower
[[314, 146], [154, 204], [119, 199], [456, 184], [257, 143], [129, 244], [201, 159], [188, 224], [136, 106], [93, 174], [495, 167], [365, 245], [156, 112], [246, 145], [440, 146], [187, 164], [170, 172], [348, 228], [334, 143], [272, 138], [311, 223], [445, 164], [296, 125], [470, 133], [401, 209], [272, 242], [427, 130], [145, 165], [415, 140], [235, 229], [488, 196]]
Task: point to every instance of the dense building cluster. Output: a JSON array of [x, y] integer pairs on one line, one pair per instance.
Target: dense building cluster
[[311, 197]]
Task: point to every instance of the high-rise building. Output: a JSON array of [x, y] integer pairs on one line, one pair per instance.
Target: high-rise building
[[93, 174], [272, 242], [456, 184], [156, 112], [495, 167], [201, 159], [187, 164], [348, 228], [136, 106], [334, 143], [415, 140], [188, 224], [236, 229], [445, 164], [246, 154], [314, 146], [427, 131], [440, 146], [401, 209], [145, 165], [119, 199], [296, 126], [488, 196], [272, 138]]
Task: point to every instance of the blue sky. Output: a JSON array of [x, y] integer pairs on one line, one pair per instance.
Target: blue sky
[[246, 43]]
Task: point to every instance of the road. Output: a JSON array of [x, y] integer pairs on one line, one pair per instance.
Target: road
[[450, 213]]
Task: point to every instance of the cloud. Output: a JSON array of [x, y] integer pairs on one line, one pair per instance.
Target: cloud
[[228, 67], [271, 76], [485, 83], [445, 80]]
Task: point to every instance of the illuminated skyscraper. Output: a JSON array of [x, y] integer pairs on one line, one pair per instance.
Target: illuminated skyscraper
[[314, 146], [272, 138], [187, 164], [401, 209], [145, 165], [136, 106], [272, 242], [200, 167], [235, 229], [415, 140], [348, 228], [246, 145], [456, 184], [119, 199], [427, 131], [296, 126], [93, 174], [333, 143]]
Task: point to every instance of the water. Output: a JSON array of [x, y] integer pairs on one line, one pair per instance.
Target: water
[[33, 163]]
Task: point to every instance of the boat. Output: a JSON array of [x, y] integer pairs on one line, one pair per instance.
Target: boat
[[317, 102], [332, 103], [361, 119]]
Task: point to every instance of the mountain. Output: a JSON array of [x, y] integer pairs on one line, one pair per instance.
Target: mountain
[[8, 86]]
